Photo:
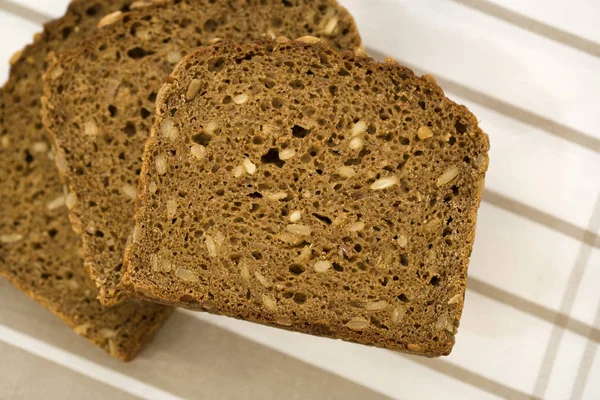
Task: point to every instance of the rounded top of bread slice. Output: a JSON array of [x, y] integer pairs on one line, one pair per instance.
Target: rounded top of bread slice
[[321, 192], [100, 100]]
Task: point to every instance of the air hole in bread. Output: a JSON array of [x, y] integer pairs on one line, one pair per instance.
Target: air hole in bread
[[216, 64], [297, 269], [300, 132], [130, 129], [272, 157], [300, 298], [460, 127], [202, 138], [210, 25], [138, 52]]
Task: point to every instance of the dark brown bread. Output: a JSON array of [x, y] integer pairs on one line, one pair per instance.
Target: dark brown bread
[[39, 252], [101, 102], [288, 185]]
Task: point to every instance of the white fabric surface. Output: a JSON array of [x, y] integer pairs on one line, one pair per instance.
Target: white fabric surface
[[531, 325]]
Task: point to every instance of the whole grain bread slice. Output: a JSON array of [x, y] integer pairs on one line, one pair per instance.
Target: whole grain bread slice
[[39, 252], [318, 192], [100, 101]]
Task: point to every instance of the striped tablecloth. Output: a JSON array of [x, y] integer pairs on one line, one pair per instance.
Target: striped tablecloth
[[530, 71]]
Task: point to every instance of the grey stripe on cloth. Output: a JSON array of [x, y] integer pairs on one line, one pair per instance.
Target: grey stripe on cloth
[[536, 310], [472, 378], [24, 12], [542, 218], [192, 359], [27, 376], [585, 366], [540, 28], [519, 114], [568, 299]]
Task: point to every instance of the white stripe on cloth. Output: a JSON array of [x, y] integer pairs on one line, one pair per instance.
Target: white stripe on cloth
[[83, 366]]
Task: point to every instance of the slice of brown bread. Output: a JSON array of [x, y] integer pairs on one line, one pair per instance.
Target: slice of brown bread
[[300, 188], [39, 252], [101, 102]]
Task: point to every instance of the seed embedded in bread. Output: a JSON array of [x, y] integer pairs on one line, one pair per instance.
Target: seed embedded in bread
[[90, 128], [359, 127], [56, 203], [239, 171], [245, 273], [140, 4], [15, 57], [166, 265], [455, 299], [211, 247], [284, 321], [287, 154], [402, 241], [172, 208], [358, 324], [40, 147], [347, 172], [322, 266], [241, 98], [11, 238], [357, 226], [424, 132], [296, 216], [385, 183], [71, 200], [129, 191], [330, 26], [376, 305], [169, 130], [261, 279], [186, 275], [198, 151], [56, 72], [277, 196], [161, 165], [377, 254], [173, 57], [309, 39], [299, 229], [448, 176], [193, 89], [269, 303], [110, 19], [397, 315], [249, 166], [357, 143]]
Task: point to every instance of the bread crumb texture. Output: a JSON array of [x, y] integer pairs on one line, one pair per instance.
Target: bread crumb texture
[[368, 244]]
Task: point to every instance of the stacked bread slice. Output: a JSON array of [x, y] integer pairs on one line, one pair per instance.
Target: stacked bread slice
[[246, 158], [101, 102], [39, 252], [315, 191]]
